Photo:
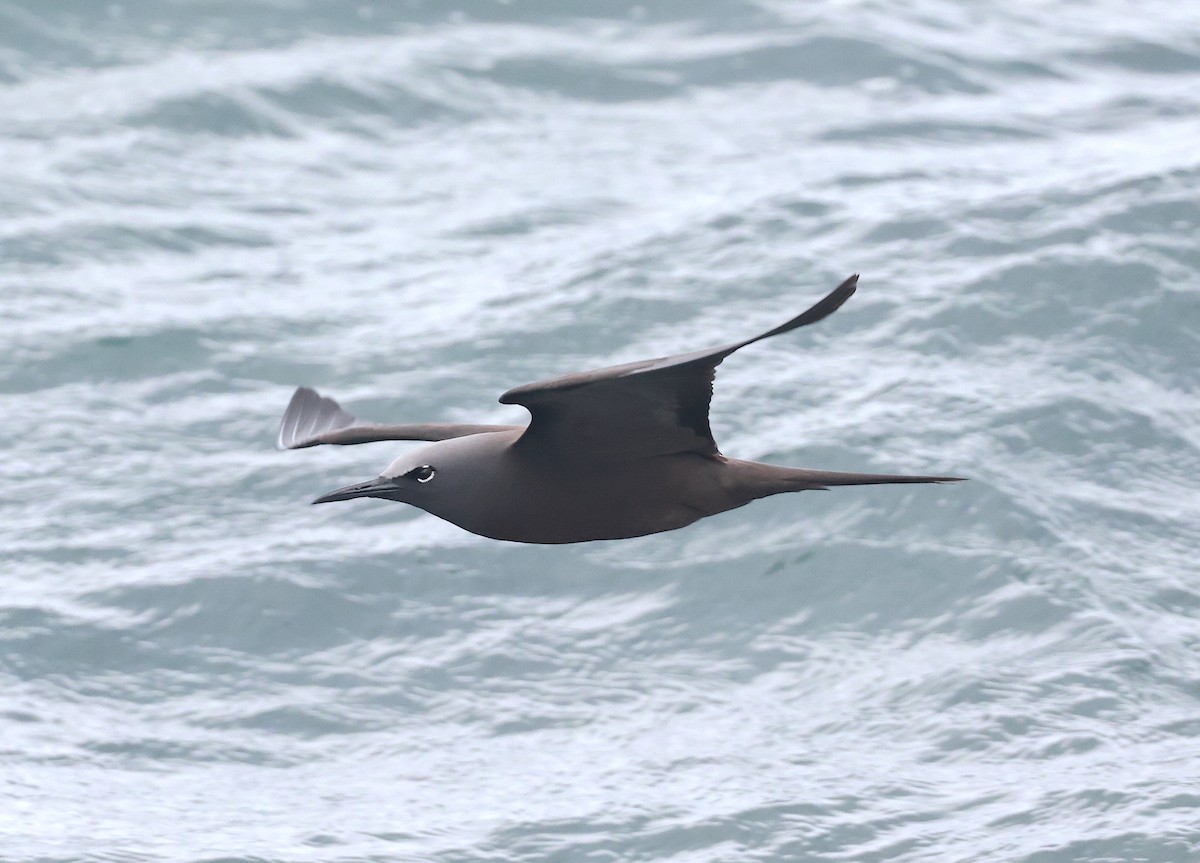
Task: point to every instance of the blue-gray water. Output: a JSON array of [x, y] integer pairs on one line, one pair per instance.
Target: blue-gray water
[[414, 207]]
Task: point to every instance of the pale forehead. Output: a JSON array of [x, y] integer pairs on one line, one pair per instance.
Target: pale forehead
[[473, 452], [407, 462], [433, 454]]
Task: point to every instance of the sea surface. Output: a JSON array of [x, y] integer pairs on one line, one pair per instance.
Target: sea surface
[[414, 206]]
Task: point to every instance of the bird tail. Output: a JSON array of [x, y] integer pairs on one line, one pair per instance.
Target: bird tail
[[804, 480], [756, 479]]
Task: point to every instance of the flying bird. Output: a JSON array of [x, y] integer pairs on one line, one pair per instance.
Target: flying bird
[[612, 453]]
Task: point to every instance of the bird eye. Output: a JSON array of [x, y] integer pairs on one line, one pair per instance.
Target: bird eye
[[424, 473]]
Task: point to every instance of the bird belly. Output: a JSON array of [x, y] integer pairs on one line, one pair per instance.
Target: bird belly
[[611, 501]]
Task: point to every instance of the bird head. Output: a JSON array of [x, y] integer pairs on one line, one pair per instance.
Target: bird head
[[435, 477]]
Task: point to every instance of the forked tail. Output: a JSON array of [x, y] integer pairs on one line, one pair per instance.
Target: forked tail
[[756, 479], [801, 479]]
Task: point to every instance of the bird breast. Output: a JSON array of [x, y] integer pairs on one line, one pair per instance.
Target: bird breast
[[534, 498]]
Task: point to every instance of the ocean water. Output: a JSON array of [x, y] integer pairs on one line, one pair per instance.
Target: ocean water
[[413, 206]]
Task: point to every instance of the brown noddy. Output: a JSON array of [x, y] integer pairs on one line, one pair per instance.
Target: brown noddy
[[608, 454]]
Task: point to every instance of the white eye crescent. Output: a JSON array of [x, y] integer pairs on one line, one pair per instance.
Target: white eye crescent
[[424, 473]]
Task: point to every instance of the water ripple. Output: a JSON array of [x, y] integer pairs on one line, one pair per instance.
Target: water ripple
[[416, 207]]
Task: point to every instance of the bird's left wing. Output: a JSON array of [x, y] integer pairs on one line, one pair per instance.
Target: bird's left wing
[[645, 408], [312, 419]]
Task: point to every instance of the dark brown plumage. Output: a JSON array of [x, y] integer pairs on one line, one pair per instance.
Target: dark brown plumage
[[611, 453]]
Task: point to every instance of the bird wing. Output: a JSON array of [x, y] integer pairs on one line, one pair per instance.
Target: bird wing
[[646, 408], [312, 419]]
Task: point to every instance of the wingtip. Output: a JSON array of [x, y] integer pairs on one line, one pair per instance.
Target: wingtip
[[307, 415], [822, 309], [294, 407]]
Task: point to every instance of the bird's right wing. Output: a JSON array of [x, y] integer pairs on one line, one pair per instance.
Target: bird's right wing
[[312, 419]]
